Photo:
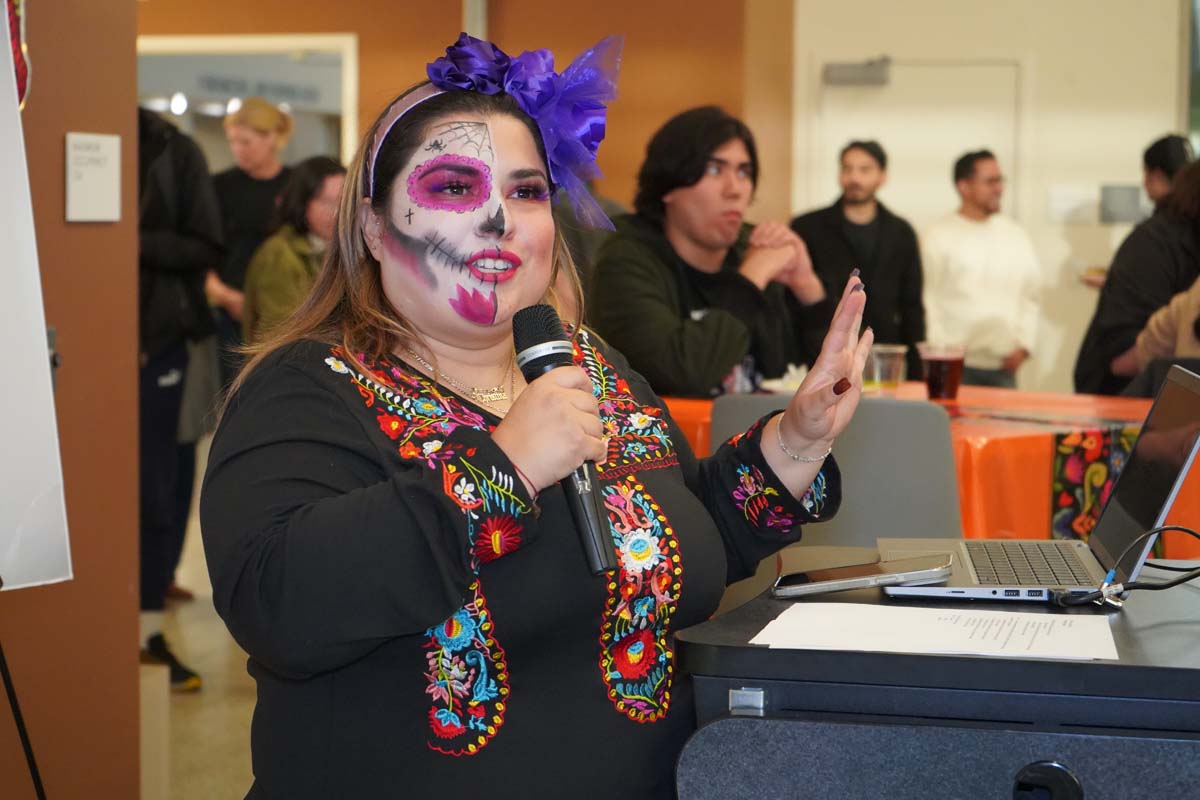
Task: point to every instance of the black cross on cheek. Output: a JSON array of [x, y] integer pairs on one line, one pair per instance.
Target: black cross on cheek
[[408, 216]]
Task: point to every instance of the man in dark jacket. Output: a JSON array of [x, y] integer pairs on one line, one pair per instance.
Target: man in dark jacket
[[860, 232], [699, 301], [179, 228]]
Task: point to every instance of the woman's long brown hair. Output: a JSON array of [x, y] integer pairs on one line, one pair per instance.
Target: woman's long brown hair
[[346, 306]]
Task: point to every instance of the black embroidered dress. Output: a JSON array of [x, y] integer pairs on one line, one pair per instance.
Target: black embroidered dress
[[417, 629]]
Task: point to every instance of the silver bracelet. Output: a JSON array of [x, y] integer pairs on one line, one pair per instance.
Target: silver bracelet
[[796, 456]]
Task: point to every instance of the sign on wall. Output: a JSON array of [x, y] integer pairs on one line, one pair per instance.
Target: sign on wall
[[34, 548]]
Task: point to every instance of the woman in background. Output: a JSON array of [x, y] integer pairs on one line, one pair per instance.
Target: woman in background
[[249, 196], [284, 268]]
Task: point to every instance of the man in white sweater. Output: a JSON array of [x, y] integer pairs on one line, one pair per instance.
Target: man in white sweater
[[982, 279]]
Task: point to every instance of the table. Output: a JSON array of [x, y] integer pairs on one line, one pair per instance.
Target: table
[[1121, 708], [1029, 464]]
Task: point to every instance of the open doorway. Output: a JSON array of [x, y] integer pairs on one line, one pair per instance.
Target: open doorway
[[196, 80]]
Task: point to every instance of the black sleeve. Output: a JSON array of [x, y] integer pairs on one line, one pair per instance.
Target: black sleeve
[[635, 306], [912, 306], [317, 552], [754, 512], [195, 246]]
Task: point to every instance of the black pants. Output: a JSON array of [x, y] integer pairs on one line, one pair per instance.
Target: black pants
[[160, 395]]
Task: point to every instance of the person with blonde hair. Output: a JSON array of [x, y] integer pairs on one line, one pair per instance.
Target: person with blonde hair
[[249, 194], [382, 514]]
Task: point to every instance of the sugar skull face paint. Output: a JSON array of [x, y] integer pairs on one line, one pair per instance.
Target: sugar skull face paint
[[468, 236]]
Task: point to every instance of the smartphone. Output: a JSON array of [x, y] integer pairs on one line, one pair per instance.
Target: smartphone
[[912, 571]]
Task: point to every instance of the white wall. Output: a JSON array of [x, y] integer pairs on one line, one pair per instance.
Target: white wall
[[1100, 79]]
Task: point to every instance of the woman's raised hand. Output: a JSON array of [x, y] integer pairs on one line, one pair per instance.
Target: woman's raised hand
[[826, 400], [553, 427]]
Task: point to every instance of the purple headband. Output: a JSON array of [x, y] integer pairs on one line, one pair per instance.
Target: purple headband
[[568, 107]]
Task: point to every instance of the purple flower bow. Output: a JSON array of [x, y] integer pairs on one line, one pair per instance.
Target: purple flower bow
[[570, 108]]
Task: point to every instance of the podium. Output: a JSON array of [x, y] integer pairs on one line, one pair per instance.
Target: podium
[[810, 723]]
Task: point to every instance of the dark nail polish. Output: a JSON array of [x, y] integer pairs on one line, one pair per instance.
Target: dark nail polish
[[842, 386], [854, 273], [858, 287]]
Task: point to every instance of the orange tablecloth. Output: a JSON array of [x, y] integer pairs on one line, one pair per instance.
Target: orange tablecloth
[[1004, 450]]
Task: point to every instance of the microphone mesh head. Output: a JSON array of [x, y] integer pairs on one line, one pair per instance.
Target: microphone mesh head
[[536, 324]]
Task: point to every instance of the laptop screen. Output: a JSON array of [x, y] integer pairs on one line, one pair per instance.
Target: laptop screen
[[1147, 486]]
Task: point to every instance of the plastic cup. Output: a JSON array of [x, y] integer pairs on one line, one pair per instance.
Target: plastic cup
[[884, 368], [943, 366]]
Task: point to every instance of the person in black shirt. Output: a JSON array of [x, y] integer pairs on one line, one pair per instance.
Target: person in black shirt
[[249, 194], [700, 301], [859, 232], [179, 238], [1159, 259], [382, 514]]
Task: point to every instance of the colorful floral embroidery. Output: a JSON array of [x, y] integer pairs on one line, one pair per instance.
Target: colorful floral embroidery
[[638, 438], [635, 655], [468, 680], [753, 497], [466, 668], [813, 499]]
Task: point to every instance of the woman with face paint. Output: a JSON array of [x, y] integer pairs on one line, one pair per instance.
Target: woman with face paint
[[382, 517]]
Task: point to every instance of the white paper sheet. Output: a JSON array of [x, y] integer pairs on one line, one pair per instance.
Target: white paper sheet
[[909, 629]]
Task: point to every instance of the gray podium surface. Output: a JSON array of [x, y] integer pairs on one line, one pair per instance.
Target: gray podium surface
[[1154, 686], [813, 723]]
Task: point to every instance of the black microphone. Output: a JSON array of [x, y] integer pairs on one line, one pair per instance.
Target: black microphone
[[542, 345]]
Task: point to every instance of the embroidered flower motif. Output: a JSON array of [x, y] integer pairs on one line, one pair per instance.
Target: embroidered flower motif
[[431, 447], [445, 723], [752, 496], [635, 448], [498, 536], [639, 421], [635, 655], [457, 632], [639, 551], [409, 450], [426, 407], [337, 365], [392, 425], [813, 500], [638, 438], [464, 490], [644, 607]]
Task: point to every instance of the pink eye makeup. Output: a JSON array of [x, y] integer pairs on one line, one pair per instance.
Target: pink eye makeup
[[450, 182]]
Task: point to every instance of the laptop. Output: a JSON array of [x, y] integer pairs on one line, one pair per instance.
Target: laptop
[[1041, 569]]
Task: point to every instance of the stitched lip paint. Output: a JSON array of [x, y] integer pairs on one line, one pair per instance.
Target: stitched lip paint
[[493, 265]]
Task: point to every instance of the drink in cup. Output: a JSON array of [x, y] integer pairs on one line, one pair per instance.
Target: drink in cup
[[943, 365], [884, 368]]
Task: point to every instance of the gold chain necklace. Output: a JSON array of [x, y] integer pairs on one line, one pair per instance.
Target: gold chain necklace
[[480, 394]]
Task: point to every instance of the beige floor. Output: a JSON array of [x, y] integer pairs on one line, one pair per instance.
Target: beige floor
[[210, 730]]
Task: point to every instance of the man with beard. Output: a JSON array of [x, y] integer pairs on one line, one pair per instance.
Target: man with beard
[[982, 278], [859, 232], [700, 301]]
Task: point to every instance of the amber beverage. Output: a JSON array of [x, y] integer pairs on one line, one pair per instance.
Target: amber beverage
[[943, 366]]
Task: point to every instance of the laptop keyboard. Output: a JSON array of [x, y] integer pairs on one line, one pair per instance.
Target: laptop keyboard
[[1018, 563]]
